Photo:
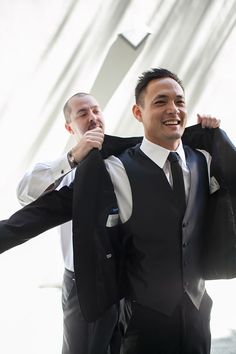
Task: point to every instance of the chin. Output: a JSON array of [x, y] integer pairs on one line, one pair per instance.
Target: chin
[[176, 136]]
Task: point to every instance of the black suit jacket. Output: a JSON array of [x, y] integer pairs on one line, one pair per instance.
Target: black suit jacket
[[98, 251], [102, 275]]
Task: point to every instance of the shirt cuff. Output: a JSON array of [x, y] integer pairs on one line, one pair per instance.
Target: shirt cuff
[[60, 167]]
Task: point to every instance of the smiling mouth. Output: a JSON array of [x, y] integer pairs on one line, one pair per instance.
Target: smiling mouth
[[172, 122]]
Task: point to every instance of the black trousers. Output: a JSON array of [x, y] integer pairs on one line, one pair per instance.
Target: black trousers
[[81, 337], [186, 331]]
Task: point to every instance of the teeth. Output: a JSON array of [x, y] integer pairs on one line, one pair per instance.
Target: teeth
[[171, 122]]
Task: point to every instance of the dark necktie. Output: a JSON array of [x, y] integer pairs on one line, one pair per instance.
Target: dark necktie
[[178, 182]]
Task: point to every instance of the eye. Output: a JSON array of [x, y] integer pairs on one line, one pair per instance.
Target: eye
[[159, 102], [180, 102], [82, 113]]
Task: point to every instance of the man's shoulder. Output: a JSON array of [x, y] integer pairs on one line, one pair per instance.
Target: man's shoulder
[[115, 145]]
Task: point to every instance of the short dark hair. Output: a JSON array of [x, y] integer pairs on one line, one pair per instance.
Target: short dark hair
[[152, 74], [67, 109]]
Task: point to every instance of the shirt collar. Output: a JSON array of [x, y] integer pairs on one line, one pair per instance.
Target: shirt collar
[[158, 154]]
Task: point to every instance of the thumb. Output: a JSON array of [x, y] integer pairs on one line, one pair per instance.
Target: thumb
[[199, 118]]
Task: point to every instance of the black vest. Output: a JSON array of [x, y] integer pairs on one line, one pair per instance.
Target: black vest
[[163, 257]]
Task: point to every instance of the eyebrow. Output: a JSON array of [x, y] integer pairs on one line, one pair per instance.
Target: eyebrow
[[165, 96]]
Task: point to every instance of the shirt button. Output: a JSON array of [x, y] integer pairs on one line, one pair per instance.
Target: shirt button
[[185, 244]]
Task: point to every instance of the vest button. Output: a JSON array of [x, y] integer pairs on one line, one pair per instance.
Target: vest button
[[185, 244]]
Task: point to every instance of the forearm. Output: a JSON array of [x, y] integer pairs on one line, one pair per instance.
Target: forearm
[[43, 177], [48, 211]]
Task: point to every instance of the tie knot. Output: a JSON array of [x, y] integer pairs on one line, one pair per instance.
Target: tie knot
[[173, 157]]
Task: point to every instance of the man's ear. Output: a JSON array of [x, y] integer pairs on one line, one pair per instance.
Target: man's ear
[[137, 112], [69, 129]]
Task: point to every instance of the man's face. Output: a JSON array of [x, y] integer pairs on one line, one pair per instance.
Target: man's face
[[163, 112], [85, 115]]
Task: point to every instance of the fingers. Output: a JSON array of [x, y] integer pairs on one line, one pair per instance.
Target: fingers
[[91, 139], [94, 137], [207, 121]]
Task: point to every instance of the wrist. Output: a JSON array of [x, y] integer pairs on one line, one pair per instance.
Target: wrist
[[71, 159]]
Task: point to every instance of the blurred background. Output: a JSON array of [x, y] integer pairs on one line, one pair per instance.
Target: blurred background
[[53, 49]]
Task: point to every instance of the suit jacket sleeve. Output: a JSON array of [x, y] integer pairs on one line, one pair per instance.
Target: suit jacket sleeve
[[220, 244], [50, 210], [223, 152]]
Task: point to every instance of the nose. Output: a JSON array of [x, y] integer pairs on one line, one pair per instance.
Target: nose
[[94, 119], [172, 108], [92, 116]]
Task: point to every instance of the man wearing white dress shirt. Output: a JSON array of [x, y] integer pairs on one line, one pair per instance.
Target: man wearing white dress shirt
[[84, 120], [165, 291]]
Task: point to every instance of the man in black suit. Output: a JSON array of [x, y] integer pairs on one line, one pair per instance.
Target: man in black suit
[[162, 190], [115, 259], [169, 241]]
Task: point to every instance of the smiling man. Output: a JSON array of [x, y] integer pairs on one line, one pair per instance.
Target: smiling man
[[162, 207]]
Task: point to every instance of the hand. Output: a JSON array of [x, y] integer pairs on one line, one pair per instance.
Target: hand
[[91, 139], [207, 121]]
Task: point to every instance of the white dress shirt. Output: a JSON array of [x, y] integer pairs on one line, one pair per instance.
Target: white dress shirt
[[34, 184]]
